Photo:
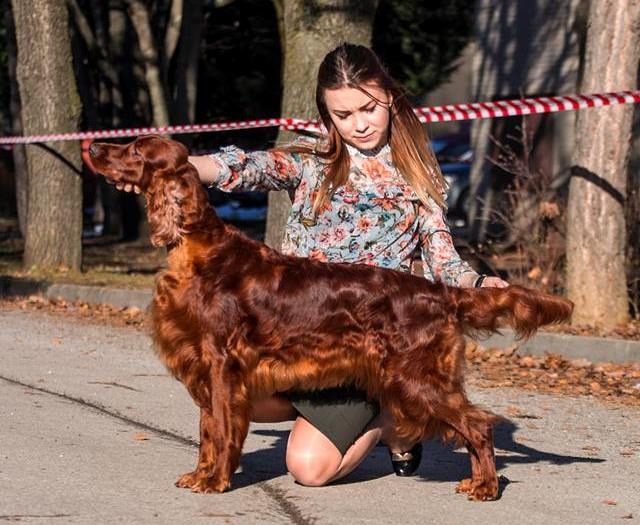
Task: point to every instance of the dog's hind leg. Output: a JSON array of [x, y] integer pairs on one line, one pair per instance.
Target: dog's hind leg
[[475, 425], [413, 419], [467, 484]]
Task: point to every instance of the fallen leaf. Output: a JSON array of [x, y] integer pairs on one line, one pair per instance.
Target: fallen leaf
[[140, 436], [535, 273], [580, 363], [509, 351]]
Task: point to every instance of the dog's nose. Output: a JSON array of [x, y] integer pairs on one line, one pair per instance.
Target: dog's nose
[[94, 150]]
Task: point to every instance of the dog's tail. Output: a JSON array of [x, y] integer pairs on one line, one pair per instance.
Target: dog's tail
[[525, 310]]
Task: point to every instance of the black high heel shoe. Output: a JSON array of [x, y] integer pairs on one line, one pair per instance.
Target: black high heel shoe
[[406, 463]]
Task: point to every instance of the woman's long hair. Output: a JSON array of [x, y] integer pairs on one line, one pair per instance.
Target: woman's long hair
[[354, 66]]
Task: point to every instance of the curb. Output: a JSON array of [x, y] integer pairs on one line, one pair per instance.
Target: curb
[[118, 297], [595, 349]]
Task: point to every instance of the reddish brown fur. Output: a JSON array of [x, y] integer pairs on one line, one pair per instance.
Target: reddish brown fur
[[234, 320]]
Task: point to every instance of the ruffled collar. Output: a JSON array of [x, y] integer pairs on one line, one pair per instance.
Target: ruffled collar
[[377, 152]]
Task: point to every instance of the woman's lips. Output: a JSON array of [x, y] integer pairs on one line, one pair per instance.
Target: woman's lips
[[366, 137]]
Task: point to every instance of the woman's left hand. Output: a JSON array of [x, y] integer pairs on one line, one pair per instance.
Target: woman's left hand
[[494, 282]]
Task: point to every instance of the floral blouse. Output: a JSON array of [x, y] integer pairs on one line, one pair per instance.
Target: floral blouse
[[375, 218]]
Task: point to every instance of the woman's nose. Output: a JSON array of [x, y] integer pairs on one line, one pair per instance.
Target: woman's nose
[[361, 123]]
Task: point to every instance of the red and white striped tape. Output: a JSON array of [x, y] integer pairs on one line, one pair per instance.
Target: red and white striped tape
[[448, 113], [524, 106]]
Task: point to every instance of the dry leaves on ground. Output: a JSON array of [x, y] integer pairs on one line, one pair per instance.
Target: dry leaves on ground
[[101, 313], [552, 373]]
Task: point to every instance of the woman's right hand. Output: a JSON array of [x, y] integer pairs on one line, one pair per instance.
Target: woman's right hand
[[128, 187]]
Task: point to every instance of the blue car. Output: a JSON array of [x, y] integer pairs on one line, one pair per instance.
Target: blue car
[[455, 156]]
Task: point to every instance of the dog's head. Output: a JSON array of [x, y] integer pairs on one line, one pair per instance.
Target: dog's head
[[160, 168]]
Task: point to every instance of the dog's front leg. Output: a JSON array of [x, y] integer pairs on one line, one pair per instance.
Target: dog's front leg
[[207, 454], [224, 432]]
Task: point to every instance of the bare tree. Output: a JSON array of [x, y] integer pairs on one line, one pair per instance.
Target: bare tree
[[50, 103], [596, 232], [308, 30]]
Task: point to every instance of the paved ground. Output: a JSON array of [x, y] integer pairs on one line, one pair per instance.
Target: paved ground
[[92, 430]]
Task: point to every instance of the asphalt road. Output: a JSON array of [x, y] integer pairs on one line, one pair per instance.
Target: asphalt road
[[93, 430]]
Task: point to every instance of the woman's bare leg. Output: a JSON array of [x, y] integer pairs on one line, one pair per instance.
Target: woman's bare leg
[[313, 460]]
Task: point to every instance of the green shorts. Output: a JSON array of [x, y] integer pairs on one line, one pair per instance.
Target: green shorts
[[341, 414]]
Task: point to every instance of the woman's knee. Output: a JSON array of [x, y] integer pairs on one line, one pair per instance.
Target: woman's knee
[[312, 459], [312, 468]]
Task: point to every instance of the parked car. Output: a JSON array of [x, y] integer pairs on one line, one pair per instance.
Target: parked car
[[455, 156], [244, 206]]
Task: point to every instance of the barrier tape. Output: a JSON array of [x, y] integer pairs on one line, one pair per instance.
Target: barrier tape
[[446, 113]]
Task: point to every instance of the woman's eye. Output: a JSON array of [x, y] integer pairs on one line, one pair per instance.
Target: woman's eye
[[370, 110]]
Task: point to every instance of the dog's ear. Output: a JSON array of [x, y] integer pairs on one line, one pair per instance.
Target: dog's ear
[[176, 201], [164, 198]]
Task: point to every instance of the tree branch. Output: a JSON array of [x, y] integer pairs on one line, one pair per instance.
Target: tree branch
[[84, 29], [142, 25], [173, 29]]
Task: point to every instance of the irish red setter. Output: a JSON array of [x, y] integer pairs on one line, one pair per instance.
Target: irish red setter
[[235, 320]]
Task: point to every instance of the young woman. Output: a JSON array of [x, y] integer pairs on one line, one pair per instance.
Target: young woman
[[368, 192]]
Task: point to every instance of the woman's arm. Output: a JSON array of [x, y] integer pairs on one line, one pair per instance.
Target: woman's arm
[[208, 169], [234, 169], [440, 256]]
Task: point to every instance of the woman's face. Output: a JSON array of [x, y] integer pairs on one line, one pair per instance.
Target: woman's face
[[361, 121]]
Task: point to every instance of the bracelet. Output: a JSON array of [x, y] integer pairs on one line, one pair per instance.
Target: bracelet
[[480, 280]]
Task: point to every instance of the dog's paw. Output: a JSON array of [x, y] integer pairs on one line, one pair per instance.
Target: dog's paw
[[188, 480], [464, 486], [483, 491], [201, 482], [210, 485]]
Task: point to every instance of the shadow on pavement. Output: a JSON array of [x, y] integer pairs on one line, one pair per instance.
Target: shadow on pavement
[[440, 462]]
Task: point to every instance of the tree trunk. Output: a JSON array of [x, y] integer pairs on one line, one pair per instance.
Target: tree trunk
[[633, 217], [117, 33], [19, 154], [597, 195], [186, 77], [50, 104], [308, 31]]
